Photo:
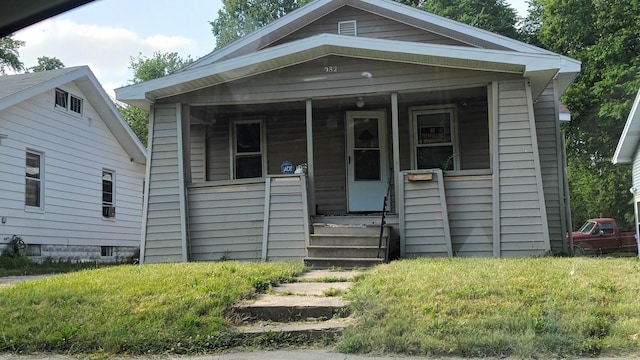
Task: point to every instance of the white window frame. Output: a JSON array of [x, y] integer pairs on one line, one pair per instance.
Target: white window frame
[[113, 193], [233, 140], [68, 100], [437, 109], [40, 180]]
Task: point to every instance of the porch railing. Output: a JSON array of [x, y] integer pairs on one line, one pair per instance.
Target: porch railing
[[383, 222]]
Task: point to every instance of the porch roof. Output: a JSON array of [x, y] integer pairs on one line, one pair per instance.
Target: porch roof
[[630, 137], [540, 68]]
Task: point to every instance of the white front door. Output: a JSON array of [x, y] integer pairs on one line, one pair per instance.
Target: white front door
[[367, 166]]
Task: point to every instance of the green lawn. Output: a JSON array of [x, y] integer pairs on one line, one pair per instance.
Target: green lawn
[[178, 308], [498, 307], [534, 307]]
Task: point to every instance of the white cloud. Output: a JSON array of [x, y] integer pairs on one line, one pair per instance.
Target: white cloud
[[107, 50]]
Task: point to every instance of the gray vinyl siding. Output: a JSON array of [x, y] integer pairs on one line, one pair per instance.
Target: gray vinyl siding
[[292, 83], [548, 128], [424, 217], [521, 217], [198, 153], [218, 157], [368, 25], [286, 140], [329, 162], [75, 149], [287, 236], [469, 203], [226, 222], [163, 230]]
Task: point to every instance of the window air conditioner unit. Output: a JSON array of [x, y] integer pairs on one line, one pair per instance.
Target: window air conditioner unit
[[112, 211]]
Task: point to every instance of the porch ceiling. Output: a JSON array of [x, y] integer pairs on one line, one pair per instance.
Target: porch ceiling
[[539, 68]]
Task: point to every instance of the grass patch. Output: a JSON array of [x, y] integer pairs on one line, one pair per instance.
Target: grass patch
[[497, 307], [22, 265], [176, 308]]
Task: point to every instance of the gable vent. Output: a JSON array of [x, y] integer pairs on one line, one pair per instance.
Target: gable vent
[[347, 28]]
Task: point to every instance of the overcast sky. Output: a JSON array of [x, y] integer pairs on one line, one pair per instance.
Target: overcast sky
[[105, 34]]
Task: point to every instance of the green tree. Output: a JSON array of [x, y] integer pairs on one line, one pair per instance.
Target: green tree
[[9, 54], [604, 36], [145, 69], [238, 18], [491, 15], [46, 63]]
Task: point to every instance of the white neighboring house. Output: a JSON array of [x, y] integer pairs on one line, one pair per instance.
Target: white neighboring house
[[628, 152], [71, 169]]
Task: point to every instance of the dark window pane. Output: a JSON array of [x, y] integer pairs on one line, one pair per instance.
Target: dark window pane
[[247, 138], [367, 164], [32, 193], [434, 128], [33, 166], [248, 167], [365, 133], [435, 157], [76, 105], [61, 98]]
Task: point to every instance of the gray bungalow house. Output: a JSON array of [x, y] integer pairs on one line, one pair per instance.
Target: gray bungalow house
[[459, 126]]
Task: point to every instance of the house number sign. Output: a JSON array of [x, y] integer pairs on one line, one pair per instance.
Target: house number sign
[[331, 69]]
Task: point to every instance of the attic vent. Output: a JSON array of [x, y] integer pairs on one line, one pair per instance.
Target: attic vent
[[348, 28]]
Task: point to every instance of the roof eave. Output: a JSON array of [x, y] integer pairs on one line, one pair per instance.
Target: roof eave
[[630, 137], [540, 68]]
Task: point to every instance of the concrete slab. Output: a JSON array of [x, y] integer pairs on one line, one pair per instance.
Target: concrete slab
[[296, 328], [293, 308], [318, 275], [312, 288]]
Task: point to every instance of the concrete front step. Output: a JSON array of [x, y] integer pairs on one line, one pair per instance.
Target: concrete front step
[[313, 288], [300, 331], [342, 263], [345, 251], [349, 229], [344, 240], [292, 308]]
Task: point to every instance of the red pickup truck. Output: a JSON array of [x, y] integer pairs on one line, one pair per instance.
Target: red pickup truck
[[602, 236]]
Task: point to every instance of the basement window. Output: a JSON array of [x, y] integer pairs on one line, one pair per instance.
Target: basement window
[[106, 251]]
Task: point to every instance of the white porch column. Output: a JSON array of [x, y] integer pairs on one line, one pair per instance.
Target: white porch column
[[311, 189], [395, 135]]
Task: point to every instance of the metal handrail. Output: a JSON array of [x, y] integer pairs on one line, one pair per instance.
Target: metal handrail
[[383, 219]]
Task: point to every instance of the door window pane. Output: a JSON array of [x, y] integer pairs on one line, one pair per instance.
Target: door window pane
[[367, 164], [365, 133]]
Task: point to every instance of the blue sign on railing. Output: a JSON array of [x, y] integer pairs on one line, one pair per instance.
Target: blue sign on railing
[[286, 167]]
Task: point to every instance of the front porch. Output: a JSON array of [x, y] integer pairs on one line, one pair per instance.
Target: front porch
[[488, 201]]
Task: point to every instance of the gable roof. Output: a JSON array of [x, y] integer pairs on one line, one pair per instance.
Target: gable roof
[[251, 56], [17, 88], [630, 137]]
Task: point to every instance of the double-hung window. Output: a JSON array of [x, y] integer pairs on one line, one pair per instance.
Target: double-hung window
[[248, 149], [108, 203], [33, 180], [68, 102], [434, 138]]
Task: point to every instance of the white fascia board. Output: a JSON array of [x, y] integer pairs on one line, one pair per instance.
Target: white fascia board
[[312, 47], [116, 123], [630, 136]]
